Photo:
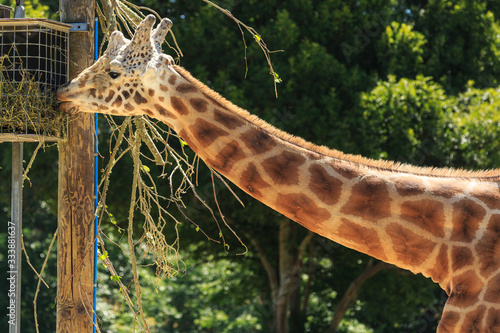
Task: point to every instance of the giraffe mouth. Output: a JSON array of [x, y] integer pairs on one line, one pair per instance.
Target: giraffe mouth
[[68, 107]]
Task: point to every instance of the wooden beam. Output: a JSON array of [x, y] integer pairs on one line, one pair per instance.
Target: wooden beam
[[75, 255]]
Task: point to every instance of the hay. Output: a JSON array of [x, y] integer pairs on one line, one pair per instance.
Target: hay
[[26, 105]]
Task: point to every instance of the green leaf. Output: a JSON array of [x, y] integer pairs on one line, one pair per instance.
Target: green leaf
[[146, 168], [103, 256], [115, 278], [277, 78]]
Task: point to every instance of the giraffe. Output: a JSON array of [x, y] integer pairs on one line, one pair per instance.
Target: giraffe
[[442, 223]]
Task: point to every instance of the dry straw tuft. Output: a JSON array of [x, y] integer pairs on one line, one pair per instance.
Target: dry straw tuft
[[26, 105]]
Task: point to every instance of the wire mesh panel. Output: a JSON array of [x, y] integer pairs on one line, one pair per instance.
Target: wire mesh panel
[[33, 63]]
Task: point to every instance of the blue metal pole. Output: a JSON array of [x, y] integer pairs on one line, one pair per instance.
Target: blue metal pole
[[96, 184]]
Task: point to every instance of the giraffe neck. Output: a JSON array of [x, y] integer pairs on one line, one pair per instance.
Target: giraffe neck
[[399, 214]]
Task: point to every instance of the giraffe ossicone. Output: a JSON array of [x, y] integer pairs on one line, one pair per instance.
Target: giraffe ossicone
[[442, 223]]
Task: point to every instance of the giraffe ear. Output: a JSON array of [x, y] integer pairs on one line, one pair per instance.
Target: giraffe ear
[[143, 33], [158, 34], [116, 41]]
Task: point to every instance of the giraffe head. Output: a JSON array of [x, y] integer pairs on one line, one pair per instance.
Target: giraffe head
[[124, 77]]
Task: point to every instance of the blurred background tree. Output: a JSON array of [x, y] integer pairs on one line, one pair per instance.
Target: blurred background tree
[[413, 81]]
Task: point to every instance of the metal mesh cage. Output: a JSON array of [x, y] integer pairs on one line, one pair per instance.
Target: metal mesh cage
[[33, 63]]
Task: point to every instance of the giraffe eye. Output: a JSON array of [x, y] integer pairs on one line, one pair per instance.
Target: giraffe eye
[[113, 74]]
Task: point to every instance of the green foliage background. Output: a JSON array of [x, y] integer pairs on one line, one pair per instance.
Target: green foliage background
[[413, 81]]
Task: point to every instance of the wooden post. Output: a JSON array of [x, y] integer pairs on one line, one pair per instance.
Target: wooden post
[[75, 255], [17, 220]]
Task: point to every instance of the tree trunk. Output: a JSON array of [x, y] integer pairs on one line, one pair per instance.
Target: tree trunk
[[352, 292], [297, 311], [286, 263], [285, 283], [75, 256]]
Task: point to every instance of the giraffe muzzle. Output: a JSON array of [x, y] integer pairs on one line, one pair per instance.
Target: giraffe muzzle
[[68, 107]]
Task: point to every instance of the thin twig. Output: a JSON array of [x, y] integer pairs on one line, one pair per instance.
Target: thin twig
[[29, 262], [256, 37], [28, 167]]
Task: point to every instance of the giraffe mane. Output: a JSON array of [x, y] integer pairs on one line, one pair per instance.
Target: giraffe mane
[[358, 160]]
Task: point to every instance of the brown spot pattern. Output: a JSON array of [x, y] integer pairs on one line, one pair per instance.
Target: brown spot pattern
[[110, 96], [228, 156], [139, 99], [445, 190], [228, 120], [488, 247], [164, 112], [172, 79], [128, 107], [125, 94], [199, 104], [473, 321], [151, 92], [346, 170], [411, 249], [369, 199], [179, 105], [252, 181], [439, 271], [258, 140], [493, 320], [406, 187], [489, 195], [301, 208], [83, 81], [460, 257], [184, 88], [163, 87], [426, 214], [206, 133], [448, 321], [466, 218], [493, 290], [326, 187], [118, 102], [465, 290], [284, 168], [361, 239]]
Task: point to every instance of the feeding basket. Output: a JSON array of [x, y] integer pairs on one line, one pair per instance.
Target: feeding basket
[[33, 63]]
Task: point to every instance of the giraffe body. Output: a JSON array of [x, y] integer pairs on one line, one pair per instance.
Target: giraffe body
[[442, 223]]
